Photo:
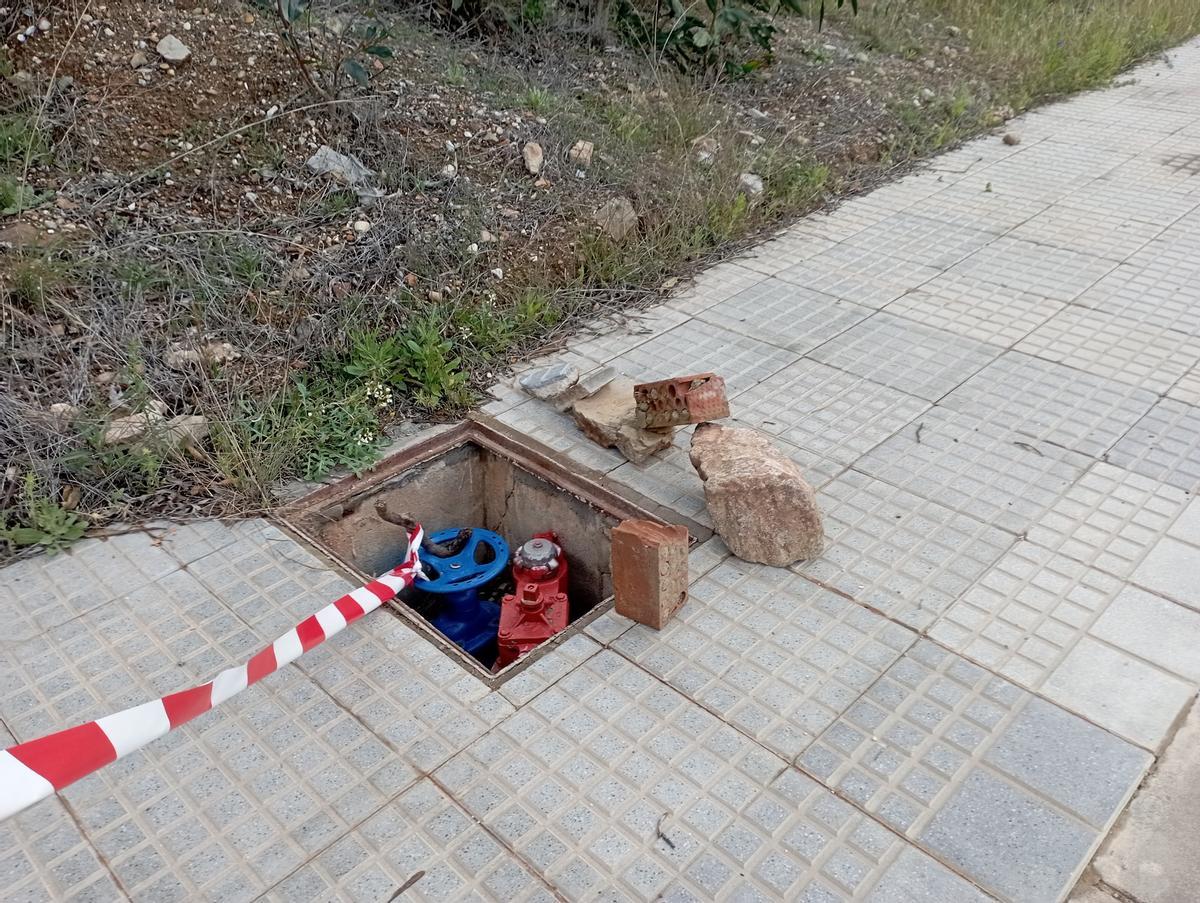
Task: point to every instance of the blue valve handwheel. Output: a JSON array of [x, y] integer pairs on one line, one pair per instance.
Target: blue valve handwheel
[[461, 571]]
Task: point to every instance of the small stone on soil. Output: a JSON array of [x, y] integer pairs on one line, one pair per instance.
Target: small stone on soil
[[172, 49], [533, 156], [617, 217], [750, 184], [1012, 139]]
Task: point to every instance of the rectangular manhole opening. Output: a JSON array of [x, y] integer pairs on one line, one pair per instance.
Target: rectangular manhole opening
[[483, 476]]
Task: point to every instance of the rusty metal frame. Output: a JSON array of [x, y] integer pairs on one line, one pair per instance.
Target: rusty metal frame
[[591, 487]]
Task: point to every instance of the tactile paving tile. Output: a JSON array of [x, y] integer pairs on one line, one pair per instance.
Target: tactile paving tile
[[44, 857], [976, 309], [157, 639], [1024, 266], [1027, 613], [44, 591], [268, 579], [1099, 234], [421, 846], [1187, 389], [612, 783], [697, 347], [1044, 620], [832, 413], [980, 772], [561, 660], [539, 421], [1122, 347], [898, 553], [860, 275], [1113, 196], [606, 339], [921, 239], [1109, 519], [905, 355], [1052, 403], [769, 652], [975, 203], [1150, 290], [1164, 445], [786, 315], [793, 246], [982, 468], [716, 283], [221, 807]]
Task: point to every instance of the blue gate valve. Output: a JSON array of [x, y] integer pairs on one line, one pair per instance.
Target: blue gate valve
[[467, 620]]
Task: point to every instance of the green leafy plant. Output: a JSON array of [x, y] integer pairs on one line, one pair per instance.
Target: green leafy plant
[[349, 47], [431, 370], [43, 522], [715, 38], [373, 358]]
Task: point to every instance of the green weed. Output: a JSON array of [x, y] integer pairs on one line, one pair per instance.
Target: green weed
[[42, 522]]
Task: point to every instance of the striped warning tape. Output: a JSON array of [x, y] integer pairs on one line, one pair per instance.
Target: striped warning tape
[[34, 770]]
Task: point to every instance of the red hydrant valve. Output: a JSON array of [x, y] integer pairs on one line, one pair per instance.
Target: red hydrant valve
[[540, 607]]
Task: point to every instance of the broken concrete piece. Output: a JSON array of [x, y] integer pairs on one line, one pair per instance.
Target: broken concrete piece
[[760, 503], [609, 418], [550, 383], [581, 153], [683, 399], [649, 570], [343, 167], [617, 218], [131, 427], [184, 430]]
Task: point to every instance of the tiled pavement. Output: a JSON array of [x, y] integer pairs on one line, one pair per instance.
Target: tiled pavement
[[991, 371]]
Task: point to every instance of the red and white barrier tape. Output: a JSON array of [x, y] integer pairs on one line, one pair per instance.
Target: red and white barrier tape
[[35, 770]]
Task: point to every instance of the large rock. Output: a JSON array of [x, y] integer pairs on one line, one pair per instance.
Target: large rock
[[609, 418], [760, 503]]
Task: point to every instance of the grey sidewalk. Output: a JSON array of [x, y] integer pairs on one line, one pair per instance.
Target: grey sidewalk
[[990, 370]]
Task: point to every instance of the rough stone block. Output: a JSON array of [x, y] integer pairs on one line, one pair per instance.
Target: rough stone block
[[649, 570], [680, 400], [609, 418], [760, 503]]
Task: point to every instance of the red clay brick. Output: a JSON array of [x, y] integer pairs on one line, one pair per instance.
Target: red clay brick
[[681, 399], [649, 570]]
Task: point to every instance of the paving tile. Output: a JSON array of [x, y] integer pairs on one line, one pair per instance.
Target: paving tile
[[1161, 207], [611, 782], [1025, 266], [1110, 518], [269, 580], [793, 246], [1128, 696], [1152, 289], [1187, 389], [769, 652], [563, 659], [188, 541], [901, 554], [1118, 346], [219, 808], [981, 468], [716, 283], [1026, 614], [860, 275], [1187, 527], [420, 846], [405, 689], [908, 356], [1155, 629], [1173, 569], [1098, 233], [975, 202], [921, 239], [157, 639], [828, 411], [975, 309], [785, 315], [624, 331], [697, 347], [938, 747], [47, 590], [1050, 402], [1164, 445]]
